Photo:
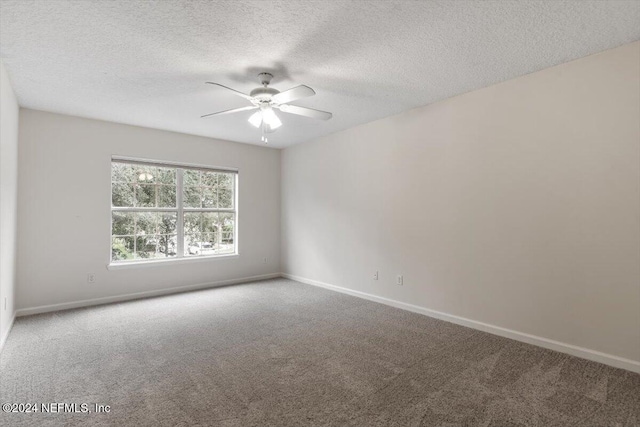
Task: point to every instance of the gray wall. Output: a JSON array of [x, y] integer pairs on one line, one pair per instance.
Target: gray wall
[[64, 205], [8, 201], [516, 205]]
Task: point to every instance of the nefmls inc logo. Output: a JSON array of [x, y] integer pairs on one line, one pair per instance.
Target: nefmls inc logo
[[54, 408]]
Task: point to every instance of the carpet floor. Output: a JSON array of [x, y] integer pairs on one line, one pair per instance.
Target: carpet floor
[[280, 353]]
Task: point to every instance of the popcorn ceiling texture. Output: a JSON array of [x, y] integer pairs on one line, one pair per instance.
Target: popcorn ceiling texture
[[145, 62]]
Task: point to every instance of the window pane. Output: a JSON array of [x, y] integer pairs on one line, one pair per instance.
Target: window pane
[[211, 238], [227, 222], [145, 246], [209, 197], [122, 172], [146, 223], [146, 174], [166, 196], [225, 180], [225, 198], [121, 248], [166, 176], [225, 248], [167, 223], [122, 195], [192, 223], [167, 246], [209, 179], [192, 197], [210, 222], [192, 244], [206, 244], [227, 219], [145, 195], [191, 178], [122, 223]]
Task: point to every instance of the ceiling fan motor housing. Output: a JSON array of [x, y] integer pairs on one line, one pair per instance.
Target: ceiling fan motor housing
[[263, 94]]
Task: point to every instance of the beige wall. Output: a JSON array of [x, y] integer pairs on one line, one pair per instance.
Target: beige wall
[[516, 205], [64, 205], [8, 201]]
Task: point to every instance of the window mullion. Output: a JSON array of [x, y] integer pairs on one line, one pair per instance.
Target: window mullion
[[149, 209], [221, 210], [180, 220]]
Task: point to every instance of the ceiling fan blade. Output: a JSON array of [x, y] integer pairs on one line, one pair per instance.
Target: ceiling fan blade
[[304, 111], [234, 110], [244, 95], [293, 94]]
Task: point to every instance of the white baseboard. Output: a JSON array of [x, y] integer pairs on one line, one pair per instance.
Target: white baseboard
[[3, 338], [573, 350], [138, 295], [585, 353]]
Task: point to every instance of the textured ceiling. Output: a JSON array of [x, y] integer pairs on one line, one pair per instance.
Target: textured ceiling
[[145, 62]]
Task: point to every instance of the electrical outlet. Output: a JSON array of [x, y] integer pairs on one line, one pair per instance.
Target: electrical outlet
[[91, 278], [375, 276], [399, 281]]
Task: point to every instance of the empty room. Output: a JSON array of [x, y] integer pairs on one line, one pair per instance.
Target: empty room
[[320, 213]]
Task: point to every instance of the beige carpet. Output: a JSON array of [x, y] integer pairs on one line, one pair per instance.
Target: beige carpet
[[280, 353]]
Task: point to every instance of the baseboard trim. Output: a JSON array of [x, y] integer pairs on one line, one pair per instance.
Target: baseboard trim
[[138, 295], [585, 353], [3, 339]]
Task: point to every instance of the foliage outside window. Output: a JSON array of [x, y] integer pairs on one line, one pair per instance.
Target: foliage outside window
[[163, 212]]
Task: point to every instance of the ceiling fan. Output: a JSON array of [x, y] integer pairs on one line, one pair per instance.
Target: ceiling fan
[[266, 99]]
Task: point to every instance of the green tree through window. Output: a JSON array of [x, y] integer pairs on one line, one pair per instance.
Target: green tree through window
[[162, 211]]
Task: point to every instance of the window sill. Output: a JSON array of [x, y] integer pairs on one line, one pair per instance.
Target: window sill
[[167, 262]]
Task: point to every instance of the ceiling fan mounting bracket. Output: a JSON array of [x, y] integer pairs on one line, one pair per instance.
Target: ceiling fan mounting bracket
[[265, 78]]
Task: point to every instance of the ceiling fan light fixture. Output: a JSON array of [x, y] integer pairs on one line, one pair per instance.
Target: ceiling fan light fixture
[[256, 119], [271, 119]]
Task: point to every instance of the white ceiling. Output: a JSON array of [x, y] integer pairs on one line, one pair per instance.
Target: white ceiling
[[145, 62]]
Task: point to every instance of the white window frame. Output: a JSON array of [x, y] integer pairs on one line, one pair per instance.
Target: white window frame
[[180, 210]]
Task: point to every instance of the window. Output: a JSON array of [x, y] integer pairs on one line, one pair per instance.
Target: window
[[163, 211]]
